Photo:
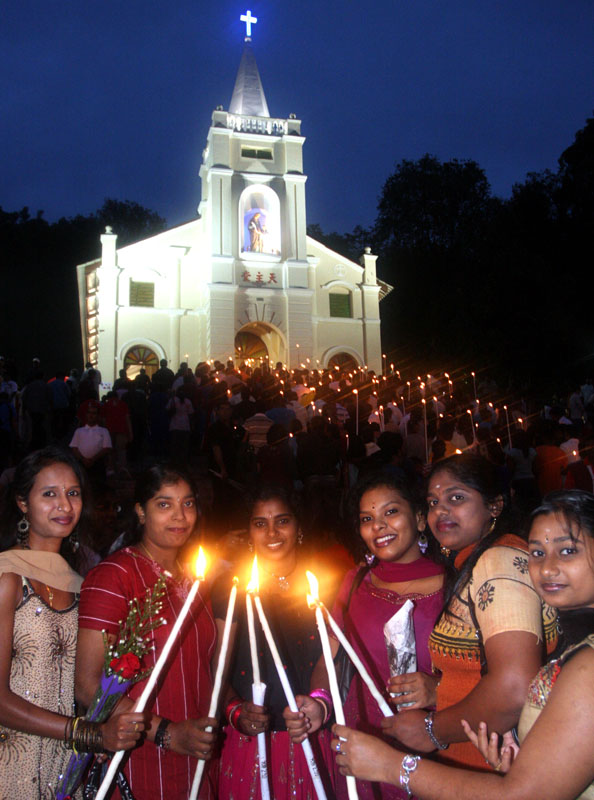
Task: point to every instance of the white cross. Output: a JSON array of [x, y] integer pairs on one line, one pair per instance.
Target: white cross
[[248, 19]]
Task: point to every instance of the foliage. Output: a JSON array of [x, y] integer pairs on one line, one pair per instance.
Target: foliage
[[499, 284], [38, 282]]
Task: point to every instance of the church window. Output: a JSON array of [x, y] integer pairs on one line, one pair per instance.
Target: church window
[[259, 210], [340, 304], [253, 152], [142, 294]]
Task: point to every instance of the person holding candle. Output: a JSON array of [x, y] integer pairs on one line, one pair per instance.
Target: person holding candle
[[556, 725], [38, 615], [390, 525], [275, 538], [490, 638], [164, 766]]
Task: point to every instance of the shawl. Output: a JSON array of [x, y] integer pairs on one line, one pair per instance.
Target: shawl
[[47, 568]]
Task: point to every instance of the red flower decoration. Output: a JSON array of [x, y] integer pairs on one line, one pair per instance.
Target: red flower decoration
[[127, 665]]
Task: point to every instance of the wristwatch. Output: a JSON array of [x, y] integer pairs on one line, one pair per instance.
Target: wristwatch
[[409, 764]]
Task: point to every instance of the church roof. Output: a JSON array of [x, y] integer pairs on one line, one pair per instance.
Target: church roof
[[248, 95]]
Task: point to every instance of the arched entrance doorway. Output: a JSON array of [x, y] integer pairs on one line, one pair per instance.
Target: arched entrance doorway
[[259, 342], [344, 361], [140, 357]]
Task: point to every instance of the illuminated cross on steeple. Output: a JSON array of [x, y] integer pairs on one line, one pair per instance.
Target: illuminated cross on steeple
[[248, 19]]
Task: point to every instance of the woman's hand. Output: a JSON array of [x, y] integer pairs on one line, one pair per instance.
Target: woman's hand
[[410, 730], [253, 719], [191, 737], [366, 757], [488, 746], [308, 719], [419, 689], [122, 731]]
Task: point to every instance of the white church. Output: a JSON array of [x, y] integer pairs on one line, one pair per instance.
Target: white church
[[242, 280]]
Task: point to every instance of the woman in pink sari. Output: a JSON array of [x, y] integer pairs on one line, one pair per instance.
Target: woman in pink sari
[[390, 527]]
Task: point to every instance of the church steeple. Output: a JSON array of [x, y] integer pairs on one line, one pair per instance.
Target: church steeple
[[248, 95]]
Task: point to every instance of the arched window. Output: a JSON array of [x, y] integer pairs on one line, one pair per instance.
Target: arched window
[[259, 217], [140, 357]]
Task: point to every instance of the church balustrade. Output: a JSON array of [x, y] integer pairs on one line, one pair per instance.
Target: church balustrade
[[245, 124]]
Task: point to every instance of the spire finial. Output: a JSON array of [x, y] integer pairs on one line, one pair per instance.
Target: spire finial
[[249, 20]]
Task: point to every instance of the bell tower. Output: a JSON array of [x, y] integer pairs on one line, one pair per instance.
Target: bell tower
[[253, 199]]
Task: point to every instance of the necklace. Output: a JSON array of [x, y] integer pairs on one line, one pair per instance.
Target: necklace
[[180, 569], [282, 581], [50, 596]]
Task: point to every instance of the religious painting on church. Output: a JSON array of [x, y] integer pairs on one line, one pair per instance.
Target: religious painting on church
[[259, 209]]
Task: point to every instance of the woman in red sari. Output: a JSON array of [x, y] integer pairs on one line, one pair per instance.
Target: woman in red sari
[[164, 766]]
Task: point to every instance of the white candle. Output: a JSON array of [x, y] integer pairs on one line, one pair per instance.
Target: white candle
[[508, 428], [158, 668], [313, 602], [474, 384], [258, 688], [365, 676], [424, 402], [469, 411], [290, 697], [216, 689], [356, 393]]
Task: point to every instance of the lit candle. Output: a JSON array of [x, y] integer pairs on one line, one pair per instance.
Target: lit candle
[[216, 689], [469, 411], [158, 668], [474, 383], [408, 384], [356, 393], [384, 364], [381, 418], [258, 688], [290, 697], [358, 664], [404, 416], [508, 428], [424, 402], [313, 601]]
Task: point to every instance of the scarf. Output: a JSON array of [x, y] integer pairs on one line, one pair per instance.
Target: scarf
[[395, 572], [47, 568]]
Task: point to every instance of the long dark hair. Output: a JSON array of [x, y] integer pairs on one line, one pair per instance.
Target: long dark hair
[[409, 492], [20, 489], [147, 486], [479, 474]]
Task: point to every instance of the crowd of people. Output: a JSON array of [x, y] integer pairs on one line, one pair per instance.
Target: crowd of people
[[470, 518]]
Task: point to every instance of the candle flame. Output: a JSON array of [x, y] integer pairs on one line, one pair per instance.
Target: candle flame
[[254, 585], [200, 568], [313, 595], [458, 452]]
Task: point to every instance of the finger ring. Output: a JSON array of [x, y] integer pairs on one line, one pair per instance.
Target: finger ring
[[135, 727], [338, 750], [498, 767]]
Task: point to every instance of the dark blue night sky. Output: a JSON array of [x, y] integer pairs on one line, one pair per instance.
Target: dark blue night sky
[[113, 99]]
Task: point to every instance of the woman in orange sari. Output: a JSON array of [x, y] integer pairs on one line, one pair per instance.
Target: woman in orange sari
[[490, 639]]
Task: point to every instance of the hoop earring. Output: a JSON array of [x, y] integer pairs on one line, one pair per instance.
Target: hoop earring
[[300, 537], [369, 559], [492, 526], [250, 546], [23, 526], [423, 542]]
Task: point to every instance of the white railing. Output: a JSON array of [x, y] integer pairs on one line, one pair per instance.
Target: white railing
[[274, 127]]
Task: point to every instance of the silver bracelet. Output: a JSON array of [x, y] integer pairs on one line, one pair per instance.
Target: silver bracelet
[[409, 764], [429, 719]]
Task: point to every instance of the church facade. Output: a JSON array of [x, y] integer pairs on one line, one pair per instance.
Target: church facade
[[242, 280]]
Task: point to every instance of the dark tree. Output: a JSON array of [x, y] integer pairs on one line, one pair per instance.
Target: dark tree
[[38, 284]]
